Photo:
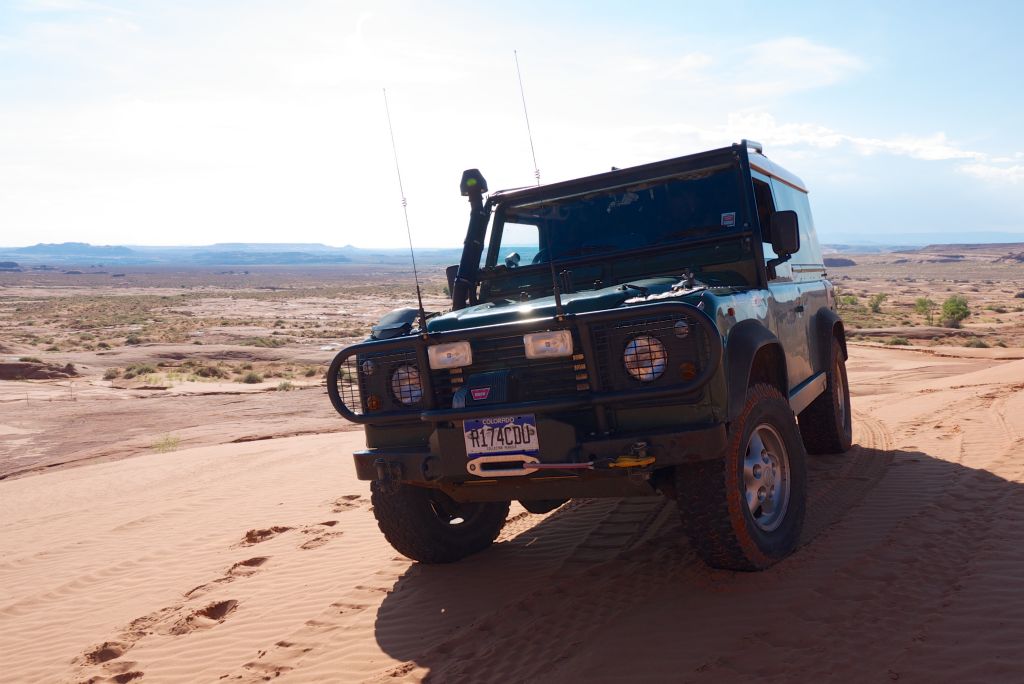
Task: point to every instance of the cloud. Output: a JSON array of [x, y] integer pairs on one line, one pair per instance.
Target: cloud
[[791, 64], [995, 173], [769, 69], [804, 138]]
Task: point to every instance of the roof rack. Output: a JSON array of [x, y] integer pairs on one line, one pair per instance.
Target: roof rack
[[753, 145]]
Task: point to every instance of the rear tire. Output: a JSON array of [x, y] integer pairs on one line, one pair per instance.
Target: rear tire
[[430, 527], [826, 425], [745, 511]]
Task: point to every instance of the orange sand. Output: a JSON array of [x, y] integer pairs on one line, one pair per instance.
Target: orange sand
[[251, 560]]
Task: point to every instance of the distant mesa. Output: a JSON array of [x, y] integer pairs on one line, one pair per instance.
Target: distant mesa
[[839, 262], [9, 266], [75, 249], [247, 257]]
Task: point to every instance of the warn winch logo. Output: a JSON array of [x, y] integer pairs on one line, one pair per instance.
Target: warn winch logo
[[480, 393]]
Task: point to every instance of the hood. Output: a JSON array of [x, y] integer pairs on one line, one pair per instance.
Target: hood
[[508, 311]]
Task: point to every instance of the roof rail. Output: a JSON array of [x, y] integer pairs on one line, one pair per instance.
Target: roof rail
[[753, 145]]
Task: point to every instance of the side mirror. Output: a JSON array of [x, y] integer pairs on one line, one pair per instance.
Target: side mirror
[[512, 260], [451, 273], [785, 232]]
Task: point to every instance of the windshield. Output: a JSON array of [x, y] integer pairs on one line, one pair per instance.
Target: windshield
[[700, 204]]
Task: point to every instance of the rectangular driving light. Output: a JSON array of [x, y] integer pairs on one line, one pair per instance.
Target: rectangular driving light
[[451, 355], [548, 345]]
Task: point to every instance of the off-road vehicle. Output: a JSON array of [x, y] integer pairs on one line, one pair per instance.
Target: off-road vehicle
[[665, 329]]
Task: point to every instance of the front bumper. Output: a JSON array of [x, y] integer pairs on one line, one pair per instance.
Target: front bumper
[[445, 468]]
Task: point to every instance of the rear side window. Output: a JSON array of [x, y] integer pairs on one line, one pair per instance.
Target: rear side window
[[807, 263]]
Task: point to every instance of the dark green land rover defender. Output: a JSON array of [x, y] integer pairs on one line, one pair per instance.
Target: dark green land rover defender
[[665, 329]]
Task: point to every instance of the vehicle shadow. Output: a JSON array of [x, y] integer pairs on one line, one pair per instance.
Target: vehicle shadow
[[888, 535]]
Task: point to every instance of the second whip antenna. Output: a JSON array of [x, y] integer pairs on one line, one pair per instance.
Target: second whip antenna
[[405, 211], [529, 133]]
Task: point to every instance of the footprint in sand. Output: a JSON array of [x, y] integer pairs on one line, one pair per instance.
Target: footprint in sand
[[239, 570], [348, 502], [209, 616], [321, 536], [122, 672], [255, 536], [108, 650]]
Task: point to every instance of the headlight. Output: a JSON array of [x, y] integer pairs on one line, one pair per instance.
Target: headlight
[[645, 358], [546, 345], [451, 355], [405, 384]]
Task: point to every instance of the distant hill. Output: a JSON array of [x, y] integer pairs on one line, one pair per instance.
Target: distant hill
[[240, 257], [220, 254], [79, 249]]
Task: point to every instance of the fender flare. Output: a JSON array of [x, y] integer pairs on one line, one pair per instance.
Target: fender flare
[[745, 340], [827, 325]]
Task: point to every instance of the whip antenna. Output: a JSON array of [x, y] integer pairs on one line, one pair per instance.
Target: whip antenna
[[405, 211], [529, 133]]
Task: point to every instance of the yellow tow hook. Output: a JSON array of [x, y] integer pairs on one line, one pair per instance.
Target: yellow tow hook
[[637, 458]]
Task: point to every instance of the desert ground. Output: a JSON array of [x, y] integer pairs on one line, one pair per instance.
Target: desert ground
[[179, 504]]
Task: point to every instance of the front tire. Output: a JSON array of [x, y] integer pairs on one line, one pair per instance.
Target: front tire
[[430, 527], [746, 511], [826, 425]]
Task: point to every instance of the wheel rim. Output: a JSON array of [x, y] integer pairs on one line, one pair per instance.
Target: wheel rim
[[840, 384], [766, 477]]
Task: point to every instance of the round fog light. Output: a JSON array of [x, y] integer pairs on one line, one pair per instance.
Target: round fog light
[[405, 384], [645, 358]]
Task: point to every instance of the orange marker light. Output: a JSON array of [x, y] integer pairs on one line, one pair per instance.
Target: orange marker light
[[687, 370], [373, 403]]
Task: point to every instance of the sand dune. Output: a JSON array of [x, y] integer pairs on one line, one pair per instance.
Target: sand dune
[[254, 560]]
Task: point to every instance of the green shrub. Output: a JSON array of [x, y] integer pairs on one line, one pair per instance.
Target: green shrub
[[133, 339], [30, 359], [310, 372], [263, 342], [252, 378], [285, 386], [954, 310], [897, 341], [137, 369], [166, 444], [111, 373], [875, 303], [977, 343], [211, 372]]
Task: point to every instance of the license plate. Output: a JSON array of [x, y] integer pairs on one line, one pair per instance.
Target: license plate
[[501, 435]]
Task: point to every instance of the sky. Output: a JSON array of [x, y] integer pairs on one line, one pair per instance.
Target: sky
[[195, 122]]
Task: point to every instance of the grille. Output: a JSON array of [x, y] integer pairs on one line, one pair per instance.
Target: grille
[[675, 343], [347, 384], [384, 375], [536, 379]]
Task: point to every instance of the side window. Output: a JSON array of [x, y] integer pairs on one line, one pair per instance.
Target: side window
[[765, 207], [807, 263]]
